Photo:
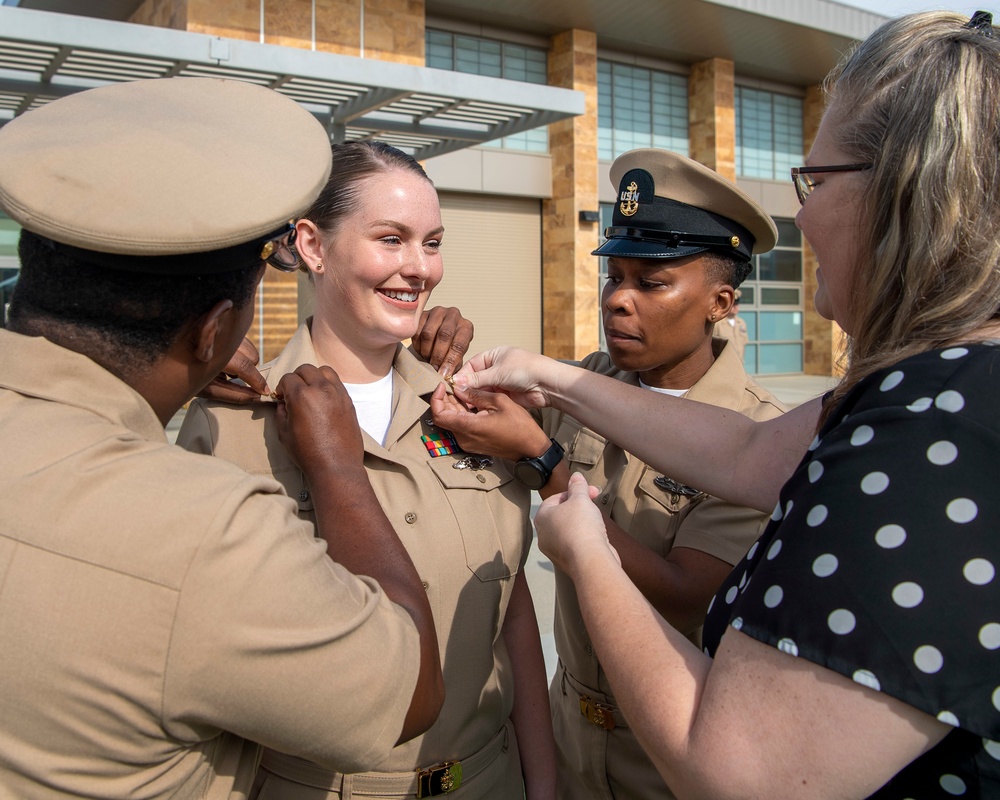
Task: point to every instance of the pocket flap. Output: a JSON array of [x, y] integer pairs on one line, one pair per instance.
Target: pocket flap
[[465, 471]]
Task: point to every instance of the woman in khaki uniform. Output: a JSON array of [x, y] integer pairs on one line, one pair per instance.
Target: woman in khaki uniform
[[676, 543], [371, 244]]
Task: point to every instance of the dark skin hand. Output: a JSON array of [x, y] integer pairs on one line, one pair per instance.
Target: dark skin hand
[[679, 585], [442, 340], [242, 366], [318, 427]]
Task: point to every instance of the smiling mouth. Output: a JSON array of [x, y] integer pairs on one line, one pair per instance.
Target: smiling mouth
[[402, 296]]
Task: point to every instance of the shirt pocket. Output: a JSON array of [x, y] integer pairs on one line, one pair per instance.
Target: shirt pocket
[[492, 512], [584, 448], [673, 496]]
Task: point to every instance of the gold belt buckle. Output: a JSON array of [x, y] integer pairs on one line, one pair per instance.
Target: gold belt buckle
[[442, 779], [601, 715]]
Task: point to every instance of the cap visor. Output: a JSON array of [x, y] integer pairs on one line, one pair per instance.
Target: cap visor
[[643, 248]]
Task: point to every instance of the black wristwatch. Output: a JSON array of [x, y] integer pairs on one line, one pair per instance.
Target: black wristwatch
[[535, 472]]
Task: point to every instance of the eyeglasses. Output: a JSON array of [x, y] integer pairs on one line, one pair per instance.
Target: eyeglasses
[[280, 251], [804, 184]]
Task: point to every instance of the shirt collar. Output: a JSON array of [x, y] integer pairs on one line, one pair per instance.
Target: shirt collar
[[35, 367]]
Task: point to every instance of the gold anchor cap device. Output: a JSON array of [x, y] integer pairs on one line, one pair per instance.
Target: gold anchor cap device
[[670, 206]]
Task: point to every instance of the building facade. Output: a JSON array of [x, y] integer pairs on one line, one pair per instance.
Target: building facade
[[734, 84]]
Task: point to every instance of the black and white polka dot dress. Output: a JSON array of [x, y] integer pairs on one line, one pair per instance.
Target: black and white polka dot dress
[[880, 561]]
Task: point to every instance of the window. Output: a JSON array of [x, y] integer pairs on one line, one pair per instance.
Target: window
[[479, 56], [640, 108], [768, 134], [771, 306], [10, 231]]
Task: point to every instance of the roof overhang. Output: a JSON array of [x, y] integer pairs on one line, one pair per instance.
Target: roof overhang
[[427, 112]]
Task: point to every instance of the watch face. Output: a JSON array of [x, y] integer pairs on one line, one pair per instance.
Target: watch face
[[530, 474]]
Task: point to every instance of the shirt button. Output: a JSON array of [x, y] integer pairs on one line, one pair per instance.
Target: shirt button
[[481, 478], [589, 650], [410, 517], [424, 584], [303, 495], [604, 500]]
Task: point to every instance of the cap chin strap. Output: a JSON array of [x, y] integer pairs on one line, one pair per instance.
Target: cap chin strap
[[729, 242]]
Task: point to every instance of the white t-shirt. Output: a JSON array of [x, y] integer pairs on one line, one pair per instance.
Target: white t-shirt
[[671, 392], [373, 405]]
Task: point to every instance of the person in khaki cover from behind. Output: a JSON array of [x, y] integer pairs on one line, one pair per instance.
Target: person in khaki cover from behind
[[681, 240], [161, 612]]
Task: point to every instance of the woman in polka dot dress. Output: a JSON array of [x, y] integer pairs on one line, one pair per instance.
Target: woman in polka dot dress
[[855, 651]]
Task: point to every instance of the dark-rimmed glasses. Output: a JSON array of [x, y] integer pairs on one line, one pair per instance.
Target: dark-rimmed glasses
[[280, 251], [804, 184]]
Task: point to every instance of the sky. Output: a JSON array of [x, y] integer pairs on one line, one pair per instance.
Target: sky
[[893, 8]]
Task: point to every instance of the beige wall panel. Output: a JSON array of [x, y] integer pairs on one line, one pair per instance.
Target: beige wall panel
[[493, 172], [492, 268], [776, 197], [517, 173]]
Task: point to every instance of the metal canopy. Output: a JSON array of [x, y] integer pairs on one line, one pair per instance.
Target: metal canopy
[[427, 112]]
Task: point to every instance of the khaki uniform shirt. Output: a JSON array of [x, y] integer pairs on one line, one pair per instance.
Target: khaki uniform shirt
[[733, 329], [158, 609], [661, 514], [660, 518], [467, 531]]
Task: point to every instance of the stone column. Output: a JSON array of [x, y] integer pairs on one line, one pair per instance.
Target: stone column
[[570, 296], [712, 115], [824, 340]]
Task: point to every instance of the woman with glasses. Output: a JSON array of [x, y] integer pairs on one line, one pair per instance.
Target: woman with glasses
[[855, 651], [372, 245]]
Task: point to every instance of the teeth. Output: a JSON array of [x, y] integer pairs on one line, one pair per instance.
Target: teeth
[[407, 297]]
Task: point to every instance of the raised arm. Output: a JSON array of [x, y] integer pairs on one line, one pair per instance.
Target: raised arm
[[679, 585], [732, 727], [721, 452], [318, 426]]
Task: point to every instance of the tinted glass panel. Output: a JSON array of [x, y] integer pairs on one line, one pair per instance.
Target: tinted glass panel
[[780, 265], [778, 325], [495, 59], [10, 232], [640, 108], [770, 296], [775, 358], [768, 133], [788, 234]]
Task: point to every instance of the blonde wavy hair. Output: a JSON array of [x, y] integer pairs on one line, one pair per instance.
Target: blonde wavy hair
[[920, 99]]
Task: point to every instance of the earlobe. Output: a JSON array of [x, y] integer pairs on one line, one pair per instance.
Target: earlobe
[[210, 327]]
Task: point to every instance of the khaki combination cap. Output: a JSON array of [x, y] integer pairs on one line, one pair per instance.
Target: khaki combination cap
[[148, 171], [669, 206]]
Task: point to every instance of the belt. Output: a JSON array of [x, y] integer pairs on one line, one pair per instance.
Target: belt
[[429, 782], [594, 704]]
